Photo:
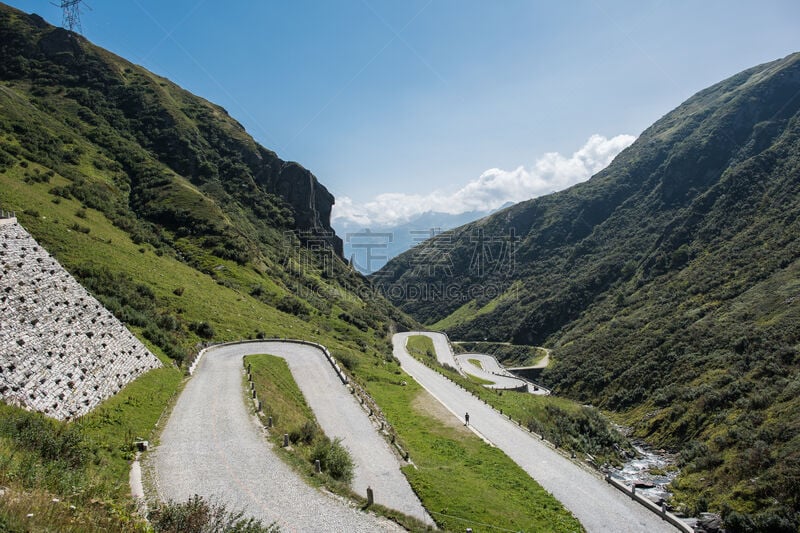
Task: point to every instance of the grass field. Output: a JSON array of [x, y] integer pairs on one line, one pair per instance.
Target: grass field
[[462, 481], [74, 476]]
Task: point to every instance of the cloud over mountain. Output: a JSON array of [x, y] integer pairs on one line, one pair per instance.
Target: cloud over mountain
[[495, 187]]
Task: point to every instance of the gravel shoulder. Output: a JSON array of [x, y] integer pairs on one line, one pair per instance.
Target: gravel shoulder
[[213, 446], [597, 505]]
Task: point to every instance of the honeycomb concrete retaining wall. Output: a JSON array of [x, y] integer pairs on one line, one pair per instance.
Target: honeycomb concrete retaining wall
[[61, 351]]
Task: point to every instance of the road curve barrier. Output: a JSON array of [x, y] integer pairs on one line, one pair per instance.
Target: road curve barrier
[[339, 372], [650, 505]]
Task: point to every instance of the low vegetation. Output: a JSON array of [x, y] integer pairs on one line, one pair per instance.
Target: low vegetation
[[197, 515], [73, 476], [571, 426], [284, 404]]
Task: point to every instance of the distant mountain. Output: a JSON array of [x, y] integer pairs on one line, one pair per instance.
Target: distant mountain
[[369, 248], [667, 286]]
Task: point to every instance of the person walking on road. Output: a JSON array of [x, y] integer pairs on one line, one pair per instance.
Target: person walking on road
[[466, 419]]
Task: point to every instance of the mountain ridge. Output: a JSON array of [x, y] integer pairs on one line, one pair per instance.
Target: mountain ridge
[[173, 172]]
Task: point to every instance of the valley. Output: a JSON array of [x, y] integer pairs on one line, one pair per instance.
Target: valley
[[153, 250]]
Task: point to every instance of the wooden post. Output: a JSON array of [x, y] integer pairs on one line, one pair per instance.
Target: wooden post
[[370, 496], [285, 440], [317, 466], [269, 422]]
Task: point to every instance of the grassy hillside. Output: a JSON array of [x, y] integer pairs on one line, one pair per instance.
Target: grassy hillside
[[666, 286], [147, 193], [168, 212]]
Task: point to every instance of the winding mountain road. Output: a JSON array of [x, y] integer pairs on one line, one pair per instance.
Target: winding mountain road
[[213, 446], [489, 370], [597, 505]]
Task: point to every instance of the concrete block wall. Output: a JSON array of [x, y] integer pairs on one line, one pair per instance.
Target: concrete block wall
[[61, 351]]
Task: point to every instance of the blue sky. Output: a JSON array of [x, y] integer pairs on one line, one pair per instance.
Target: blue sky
[[433, 100]]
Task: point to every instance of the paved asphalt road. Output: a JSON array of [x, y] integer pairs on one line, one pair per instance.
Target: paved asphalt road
[[490, 370], [597, 505], [213, 446], [444, 352]]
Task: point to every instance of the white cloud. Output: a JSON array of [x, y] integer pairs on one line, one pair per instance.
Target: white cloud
[[495, 187]]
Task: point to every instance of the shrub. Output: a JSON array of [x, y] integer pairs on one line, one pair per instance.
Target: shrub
[[80, 229], [348, 360], [51, 441], [203, 329], [199, 516], [257, 291], [304, 433], [333, 458], [290, 304]]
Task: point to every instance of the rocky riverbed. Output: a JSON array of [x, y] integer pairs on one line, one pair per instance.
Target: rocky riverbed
[[651, 471]]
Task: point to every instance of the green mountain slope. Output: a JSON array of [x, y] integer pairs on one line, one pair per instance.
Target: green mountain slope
[[190, 232], [667, 286], [82, 128], [182, 225]]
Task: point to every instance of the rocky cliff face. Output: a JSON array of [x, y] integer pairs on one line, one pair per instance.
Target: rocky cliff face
[[310, 201]]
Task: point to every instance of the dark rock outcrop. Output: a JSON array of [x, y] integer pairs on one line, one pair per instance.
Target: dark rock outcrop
[[310, 201]]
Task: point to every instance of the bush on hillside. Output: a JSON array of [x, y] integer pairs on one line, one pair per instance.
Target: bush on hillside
[[333, 458]]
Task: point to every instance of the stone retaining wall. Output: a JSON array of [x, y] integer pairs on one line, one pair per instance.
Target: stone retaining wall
[[61, 351]]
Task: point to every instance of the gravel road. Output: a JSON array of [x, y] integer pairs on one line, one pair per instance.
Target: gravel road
[[597, 505], [213, 446], [489, 370], [444, 352]]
